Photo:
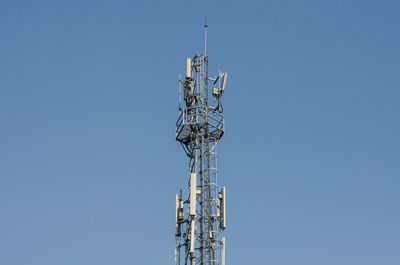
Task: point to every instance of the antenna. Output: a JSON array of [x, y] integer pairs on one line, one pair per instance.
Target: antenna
[[200, 220], [205, 38]]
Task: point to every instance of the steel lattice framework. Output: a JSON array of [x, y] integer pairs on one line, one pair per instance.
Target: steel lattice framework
[[200, 219]]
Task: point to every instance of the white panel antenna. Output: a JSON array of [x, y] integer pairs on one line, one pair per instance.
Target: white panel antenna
[[192, 237], [223, 208], [188, 68], [193, 193], [223, 82], [223, 251], [176, 214]]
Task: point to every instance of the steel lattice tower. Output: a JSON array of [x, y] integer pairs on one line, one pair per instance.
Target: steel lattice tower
[[200, 219]]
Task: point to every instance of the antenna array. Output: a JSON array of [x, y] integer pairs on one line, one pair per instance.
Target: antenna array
[[201, 218]]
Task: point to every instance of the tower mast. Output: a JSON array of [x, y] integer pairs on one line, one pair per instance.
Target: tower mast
[[201, 218]]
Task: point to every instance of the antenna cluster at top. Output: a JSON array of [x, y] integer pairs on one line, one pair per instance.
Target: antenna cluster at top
[[191, 81]]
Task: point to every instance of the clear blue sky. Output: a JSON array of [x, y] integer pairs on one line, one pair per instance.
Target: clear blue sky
[[88, 102]]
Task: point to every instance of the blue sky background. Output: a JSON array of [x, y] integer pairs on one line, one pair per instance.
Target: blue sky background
[[88, 102]]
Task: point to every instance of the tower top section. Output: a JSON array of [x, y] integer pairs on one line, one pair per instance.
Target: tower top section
[[200, 104]]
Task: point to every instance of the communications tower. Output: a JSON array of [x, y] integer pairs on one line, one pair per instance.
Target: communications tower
[[200, 218]]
